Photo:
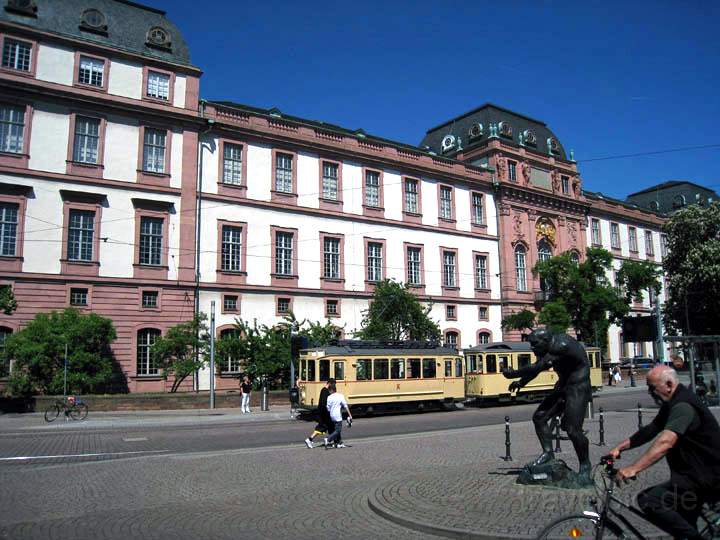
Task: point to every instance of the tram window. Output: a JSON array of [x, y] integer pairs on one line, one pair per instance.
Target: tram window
[[504, 361], [324, 370], [491, 363], [397, 368], [458, 367], [523, 360], [303, 370], [598, 362], [429, 368], [310, 370], [339, 371], [364, 370], [448, 368], [381, 368], [471, 363], [413, 368]]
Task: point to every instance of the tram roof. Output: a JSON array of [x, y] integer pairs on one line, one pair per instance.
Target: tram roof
[[499, 346], [357, 347]]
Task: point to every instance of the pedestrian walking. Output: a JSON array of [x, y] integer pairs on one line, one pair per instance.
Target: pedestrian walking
[[616, 375], [335, 404], [610, 376], [245, 390], [324, 425]]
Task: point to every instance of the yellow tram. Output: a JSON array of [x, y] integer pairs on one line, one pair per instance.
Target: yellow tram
[[485, 363], [386, 375]]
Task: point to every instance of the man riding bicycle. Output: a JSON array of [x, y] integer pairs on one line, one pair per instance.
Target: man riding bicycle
[[689, 436]]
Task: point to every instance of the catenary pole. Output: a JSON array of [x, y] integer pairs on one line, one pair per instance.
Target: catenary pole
[[212, 354]]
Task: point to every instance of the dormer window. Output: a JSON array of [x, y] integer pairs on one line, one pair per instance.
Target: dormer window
[[552, 145], [158, 37], [93, 20], [506, 130], [529, 137], [475, 131], [23, 7], [448, 143]]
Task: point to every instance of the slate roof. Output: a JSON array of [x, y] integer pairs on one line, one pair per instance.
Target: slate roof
[[127, 25], [490, 114], [670, 184]]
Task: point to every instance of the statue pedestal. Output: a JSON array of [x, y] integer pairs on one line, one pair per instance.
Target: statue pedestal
[[555, 473]]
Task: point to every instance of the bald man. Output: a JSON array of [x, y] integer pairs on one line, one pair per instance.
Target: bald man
[[689, 436]]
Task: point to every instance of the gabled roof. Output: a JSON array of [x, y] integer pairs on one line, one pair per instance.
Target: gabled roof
[[669, 184]]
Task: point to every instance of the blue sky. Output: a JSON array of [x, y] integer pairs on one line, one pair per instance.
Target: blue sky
[[609, 78]]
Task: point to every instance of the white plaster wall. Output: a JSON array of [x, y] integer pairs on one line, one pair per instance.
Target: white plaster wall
[[428, 190], [125, 79], [210, 163], [259, 165], [55, 64], [122, 139], [49, 140], [392, 197], [179, 91], [352, 188], [308, 180], [491, 211], [462, 209], [176, 158]]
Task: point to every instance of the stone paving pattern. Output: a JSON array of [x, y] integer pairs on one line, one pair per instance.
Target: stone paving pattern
[[453, 479]]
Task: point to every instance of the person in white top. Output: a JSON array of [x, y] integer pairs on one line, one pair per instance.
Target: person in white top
[[335, 404]]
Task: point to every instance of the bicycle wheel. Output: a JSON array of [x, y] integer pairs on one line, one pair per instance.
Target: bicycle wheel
[[574, 526], [79, 412], [52, 413]]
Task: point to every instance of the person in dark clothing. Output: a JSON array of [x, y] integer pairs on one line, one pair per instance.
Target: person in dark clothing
[[689, 436], [324, 424]]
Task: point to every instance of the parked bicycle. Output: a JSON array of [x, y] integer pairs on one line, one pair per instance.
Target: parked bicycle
[[606, 521], [73, 407]]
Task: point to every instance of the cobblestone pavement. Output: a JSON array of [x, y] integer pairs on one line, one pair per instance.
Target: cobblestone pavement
[[452, 481]]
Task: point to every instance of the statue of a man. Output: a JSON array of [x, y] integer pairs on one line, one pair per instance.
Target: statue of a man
[[568, 399]]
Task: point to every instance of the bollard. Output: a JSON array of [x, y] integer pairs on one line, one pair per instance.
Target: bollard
[[602, 428], [264, 405], [639, 415], [507, 457], [557, 434]]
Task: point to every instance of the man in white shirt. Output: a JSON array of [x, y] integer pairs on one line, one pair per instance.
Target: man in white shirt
[[335, 403]]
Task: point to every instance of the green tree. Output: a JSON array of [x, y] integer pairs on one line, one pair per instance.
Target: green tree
[[38, 352], [692, 265], [8, 304], [580, 295], [395, 313], [522, 320], [183, 350]]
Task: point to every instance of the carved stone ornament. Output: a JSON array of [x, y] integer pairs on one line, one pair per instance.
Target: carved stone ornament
[[501, 167], [504, 209], [544, 228], [518, 226], [576, 186], [555, 178], [572, 232], [448, 143], [529, 137], [506, 130], [525, 170], [475, 131]]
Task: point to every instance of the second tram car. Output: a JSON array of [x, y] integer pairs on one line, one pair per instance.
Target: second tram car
[[383, 375], [485, 363]]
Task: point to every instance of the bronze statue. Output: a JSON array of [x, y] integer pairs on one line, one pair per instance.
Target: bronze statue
[[568, 399]]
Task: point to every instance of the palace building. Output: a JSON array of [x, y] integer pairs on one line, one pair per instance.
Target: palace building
[[125, 194]]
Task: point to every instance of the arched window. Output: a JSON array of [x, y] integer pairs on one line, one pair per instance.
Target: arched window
[[678, 201], [520, 268], [146, 364], [544, 251], [575, 257], [483, 337], [452, 339], [231, 364], [4, 362]]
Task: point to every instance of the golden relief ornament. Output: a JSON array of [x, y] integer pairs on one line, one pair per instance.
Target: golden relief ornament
[[545, 229]]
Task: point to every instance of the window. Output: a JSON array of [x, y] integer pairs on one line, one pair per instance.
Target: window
[[232, 164], [413, 367], [231, 364], [158, 85], [283, 172], [448, 368], [339, 370], [449, 269], [381, 369], [451, 339], [481, 272], [397, 368], [150, 299], [632, 233], [482, 313], [230, 303], [283, 306], [652, 296], [78, 297], [478, 214], [458, 367], [146, 364], [5, 333], [411, 196], [363, 370], [565, 181], [87, 140], [451, 313], [615, 236], [429, 368], [331, 258], [512, 171], [8, 229], [283, 253], [330, 181], [663, 245], [491, 363], [81, 229], [544, 251], [446, 202], [524, 361], [595, 232], [649, 248], [372, 189], [484, 337], [151, 240], [374, 261], [12, 127], [155, 141], [331, 308], [520, 274], [91, 71], [16, 55], [414, 273], [231, 249]]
